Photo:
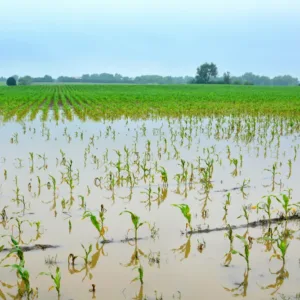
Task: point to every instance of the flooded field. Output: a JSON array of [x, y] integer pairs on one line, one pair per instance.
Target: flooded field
[[127, 209]]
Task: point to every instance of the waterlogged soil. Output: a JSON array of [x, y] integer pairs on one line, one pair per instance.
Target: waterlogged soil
[[175, 264]]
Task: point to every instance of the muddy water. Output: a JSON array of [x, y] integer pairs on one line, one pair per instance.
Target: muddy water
[[179, 270]]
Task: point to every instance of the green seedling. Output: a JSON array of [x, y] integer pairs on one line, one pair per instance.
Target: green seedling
[[70, 226], [164, 175], [87, 253], [245, 214], [265, 206], [285, 203], [282, 245], [244, 185], [246, 253], [235, 162], [15, 250], [225, 207], [97, 224], [23, 273], [185, 210], [228, 256], [56, 280], [136, 222], [141, 275], [53, 183]]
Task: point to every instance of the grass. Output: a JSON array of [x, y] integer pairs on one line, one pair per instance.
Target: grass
[[144, 101]]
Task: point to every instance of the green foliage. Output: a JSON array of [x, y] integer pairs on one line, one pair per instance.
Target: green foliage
[[23, 273], [227, 78], [11, 81], [87, 253], [266, 207], [135, 221], [286, 205], [185, 210], [205, 72], [245, 214], [26, 80], [246, 253], [190, 100], [56, 279], [98, 224]]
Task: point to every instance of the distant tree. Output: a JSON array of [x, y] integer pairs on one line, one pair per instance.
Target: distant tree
[[11, 81], [48, 78], [265, 80], [237, 82], [205, 72], [26, 80], [285, 80], [227, 78], [16, 77]]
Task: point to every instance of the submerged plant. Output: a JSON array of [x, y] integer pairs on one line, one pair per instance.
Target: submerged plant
[[285, 203], [87, 253], [164, 175], [56, 280], [136, 222], [140, 277], [228, 256], [185, 210], [246, 253], [225, 207], [23, 273], [98, 224], [266, 207], [245, 214]]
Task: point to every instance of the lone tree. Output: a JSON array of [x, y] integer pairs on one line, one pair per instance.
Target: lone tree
[[11, 81], [205, 72]]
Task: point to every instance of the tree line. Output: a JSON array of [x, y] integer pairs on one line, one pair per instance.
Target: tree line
[[207, 73]]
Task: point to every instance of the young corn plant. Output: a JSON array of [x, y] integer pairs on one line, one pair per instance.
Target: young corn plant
[[266, 207], [246, 253], [245, 214], [98, 224], [141, 275], [137, 224], [185, 210], [53, 185], [23, 273], [234, 161], [273, 172], [56, 280], [285, 203], [244, 185], [228, 256], [15, 250], [225, 207], [282, 245], [164, 176], [87, 253]]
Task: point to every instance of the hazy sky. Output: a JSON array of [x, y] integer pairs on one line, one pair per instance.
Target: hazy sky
[[132, 37]]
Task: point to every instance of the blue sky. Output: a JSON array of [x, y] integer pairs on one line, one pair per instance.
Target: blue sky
[[136, 37]]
